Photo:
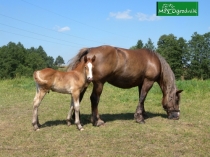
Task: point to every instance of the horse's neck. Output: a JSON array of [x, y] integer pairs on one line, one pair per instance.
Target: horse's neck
[[167, 85]]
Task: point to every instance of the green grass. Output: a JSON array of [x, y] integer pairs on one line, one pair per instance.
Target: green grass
[[120, 136]]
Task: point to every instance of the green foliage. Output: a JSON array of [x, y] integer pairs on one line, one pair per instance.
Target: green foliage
[[199, 47], [59, 61], [16, 61], [175, 52], [150, 45], [138, 45]]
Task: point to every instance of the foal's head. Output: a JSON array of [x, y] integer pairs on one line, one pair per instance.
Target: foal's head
[[89, 67]]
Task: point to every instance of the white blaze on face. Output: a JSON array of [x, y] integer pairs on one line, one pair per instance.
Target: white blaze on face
[[90, 72]]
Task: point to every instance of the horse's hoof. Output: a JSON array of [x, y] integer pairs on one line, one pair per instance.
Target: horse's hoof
[[99, 123], [140, 121]]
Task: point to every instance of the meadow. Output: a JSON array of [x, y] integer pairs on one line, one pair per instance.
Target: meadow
[[120, 136]]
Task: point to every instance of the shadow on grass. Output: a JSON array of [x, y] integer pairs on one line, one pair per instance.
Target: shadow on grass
[[85, 118]]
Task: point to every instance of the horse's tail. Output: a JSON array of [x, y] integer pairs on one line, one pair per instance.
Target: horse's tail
[[76, 59]]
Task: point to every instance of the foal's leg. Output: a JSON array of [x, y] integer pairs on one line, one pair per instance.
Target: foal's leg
[[140, 111], [75, 98], [95, 96], [37, 100], [80, 99], [68, 119]]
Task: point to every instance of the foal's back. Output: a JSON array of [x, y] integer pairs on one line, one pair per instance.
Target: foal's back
[[50, 79]]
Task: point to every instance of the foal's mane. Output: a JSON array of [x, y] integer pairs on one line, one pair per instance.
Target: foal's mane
[[77, 59], [167, 75]]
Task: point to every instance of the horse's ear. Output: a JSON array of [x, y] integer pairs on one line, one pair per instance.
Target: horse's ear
[[94, 58], [178, 91], [85, 59]]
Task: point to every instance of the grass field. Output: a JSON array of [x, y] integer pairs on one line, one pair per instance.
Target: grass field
[[120, 136]]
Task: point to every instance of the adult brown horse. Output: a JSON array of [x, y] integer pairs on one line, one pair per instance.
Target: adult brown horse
[[126, 69]]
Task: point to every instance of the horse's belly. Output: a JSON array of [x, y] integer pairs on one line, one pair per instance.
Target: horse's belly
[[125, 82]]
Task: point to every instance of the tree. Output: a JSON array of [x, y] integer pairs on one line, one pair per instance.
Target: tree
[[175, 52], [15, 60], [150, 45], [139, 45], [59, 61], [199, 47]]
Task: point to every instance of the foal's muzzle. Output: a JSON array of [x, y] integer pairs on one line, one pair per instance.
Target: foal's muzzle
[[89, 79]]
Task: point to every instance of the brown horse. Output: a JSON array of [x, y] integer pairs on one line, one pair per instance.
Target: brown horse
[[129, 68], [73, 82]]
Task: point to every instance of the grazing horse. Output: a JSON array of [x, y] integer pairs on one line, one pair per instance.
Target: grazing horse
[[125, 68], [72, 82]]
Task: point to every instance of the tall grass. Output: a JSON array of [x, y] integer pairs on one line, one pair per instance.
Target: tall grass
[[121, 135]]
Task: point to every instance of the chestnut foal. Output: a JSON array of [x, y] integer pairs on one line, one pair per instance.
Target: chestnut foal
[[72, 82]]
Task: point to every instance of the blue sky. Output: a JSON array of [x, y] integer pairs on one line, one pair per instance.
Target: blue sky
[[63, 27]]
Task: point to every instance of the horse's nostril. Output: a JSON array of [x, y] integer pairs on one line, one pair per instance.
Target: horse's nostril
[[174, 115]]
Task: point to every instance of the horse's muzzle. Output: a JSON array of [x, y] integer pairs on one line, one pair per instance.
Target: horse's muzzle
[[174, 115]]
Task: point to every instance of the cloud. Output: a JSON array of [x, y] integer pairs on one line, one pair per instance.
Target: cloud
[[61, 29], [145, 17], [121, 15], [209, 28]]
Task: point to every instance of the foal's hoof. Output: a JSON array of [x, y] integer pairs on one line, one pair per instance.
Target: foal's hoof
[[81, 129], [36, 129], [68, 123]]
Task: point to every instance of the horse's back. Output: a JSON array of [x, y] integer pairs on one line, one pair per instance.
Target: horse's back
[[124, 68]]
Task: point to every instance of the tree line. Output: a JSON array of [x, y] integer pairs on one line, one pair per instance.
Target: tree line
[[16, 61], [188, 59]]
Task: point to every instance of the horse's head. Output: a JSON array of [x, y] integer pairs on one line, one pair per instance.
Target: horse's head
[[89, 67], [171, 104]]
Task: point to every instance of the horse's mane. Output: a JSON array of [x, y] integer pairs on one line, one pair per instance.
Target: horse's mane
[[75, 60], [167, 75]]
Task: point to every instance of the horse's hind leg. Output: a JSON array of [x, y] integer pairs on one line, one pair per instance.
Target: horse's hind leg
[[37, 100], [143, 90]]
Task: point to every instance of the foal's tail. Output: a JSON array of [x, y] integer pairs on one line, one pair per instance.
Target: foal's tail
[[38, 79]]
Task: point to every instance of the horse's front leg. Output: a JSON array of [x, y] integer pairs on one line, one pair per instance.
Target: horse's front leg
[[143, 90], [37, 100], [75, 98], [95, 97]]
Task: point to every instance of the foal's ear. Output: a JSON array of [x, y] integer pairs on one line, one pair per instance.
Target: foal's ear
[[85, 59], [178, 91], [94, 58]]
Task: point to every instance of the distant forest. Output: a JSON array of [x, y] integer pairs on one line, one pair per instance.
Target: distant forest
[[17, 61], [188, 59]]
